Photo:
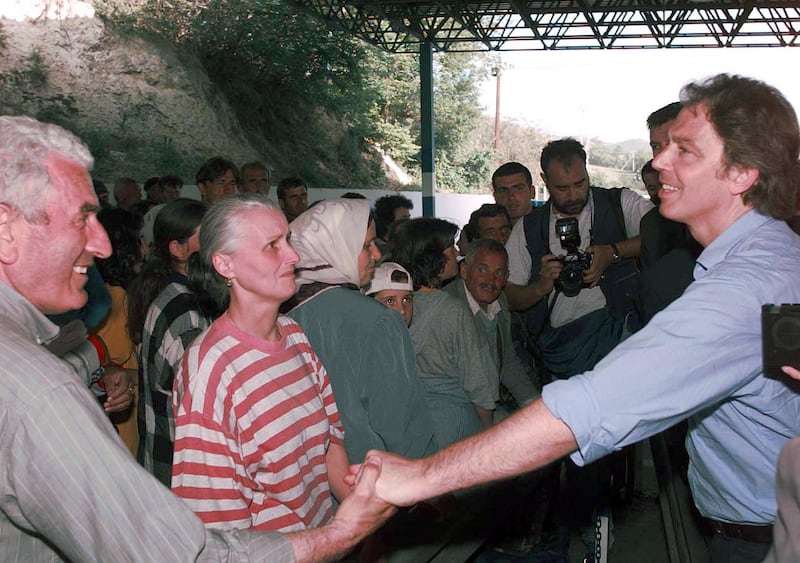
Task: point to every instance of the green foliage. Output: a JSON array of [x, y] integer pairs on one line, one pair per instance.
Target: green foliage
[[286, 94], [320, 97], [36, 72], [25, 92], [616, 156], [466, 175], [393, 111], [460, 167], [33, 75]]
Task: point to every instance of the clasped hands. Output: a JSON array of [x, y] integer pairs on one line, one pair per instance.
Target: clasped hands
[[389, 478]]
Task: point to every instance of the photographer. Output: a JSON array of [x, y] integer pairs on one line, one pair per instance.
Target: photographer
[[575, 326], [572, 271]]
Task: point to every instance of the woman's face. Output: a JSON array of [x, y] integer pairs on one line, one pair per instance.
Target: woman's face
[[451, 264], [262, 268], [368, 257]]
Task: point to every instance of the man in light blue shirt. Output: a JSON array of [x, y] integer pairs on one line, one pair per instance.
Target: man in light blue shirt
[[730, 172]]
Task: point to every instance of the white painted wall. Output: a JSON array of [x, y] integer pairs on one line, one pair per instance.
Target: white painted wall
[[454, 207]]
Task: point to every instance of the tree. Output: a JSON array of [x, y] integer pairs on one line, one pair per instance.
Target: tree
[[323, 97]]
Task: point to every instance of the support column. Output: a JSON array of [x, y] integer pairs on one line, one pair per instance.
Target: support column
[[427, 142]]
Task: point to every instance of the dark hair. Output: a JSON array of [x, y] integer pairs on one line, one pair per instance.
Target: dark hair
[[353, 195], [384, 212], [664, 115], [758, 128], [142, 207], [211, 293], [487, 210], [648, 169], [150, 183], [99, 187], [177, 220], [123, 228], [169, 180], [288, 184], [419, 247], [213, 168], [563, 151], [487, 244], [510, 168]]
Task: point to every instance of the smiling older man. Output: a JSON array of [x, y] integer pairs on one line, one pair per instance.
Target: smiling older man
[[483, 276], [69, 488]]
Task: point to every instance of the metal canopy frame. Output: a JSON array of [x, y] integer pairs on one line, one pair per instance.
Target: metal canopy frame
[[402, 26], [409, 26]]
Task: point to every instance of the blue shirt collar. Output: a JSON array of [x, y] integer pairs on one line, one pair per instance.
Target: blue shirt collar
[[728, 240]]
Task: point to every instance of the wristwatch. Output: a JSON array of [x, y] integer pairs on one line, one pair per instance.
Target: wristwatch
[[616, 258]]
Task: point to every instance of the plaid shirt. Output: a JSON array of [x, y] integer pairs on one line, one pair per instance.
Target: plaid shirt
[[172, 323]]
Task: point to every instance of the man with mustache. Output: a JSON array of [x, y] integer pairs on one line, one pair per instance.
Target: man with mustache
[[484, 272], [574, 331]]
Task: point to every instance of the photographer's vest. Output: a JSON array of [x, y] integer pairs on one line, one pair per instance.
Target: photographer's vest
[[578, 345]]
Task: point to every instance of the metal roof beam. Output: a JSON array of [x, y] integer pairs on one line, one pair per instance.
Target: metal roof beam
[[465, 25]]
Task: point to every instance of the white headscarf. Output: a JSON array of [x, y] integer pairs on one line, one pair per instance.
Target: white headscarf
[[329, 237]]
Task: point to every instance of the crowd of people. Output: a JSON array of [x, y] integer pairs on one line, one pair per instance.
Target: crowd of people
[[286, 375]]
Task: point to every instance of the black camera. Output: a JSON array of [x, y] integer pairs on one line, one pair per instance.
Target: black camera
[[780, 337], [575, 261]]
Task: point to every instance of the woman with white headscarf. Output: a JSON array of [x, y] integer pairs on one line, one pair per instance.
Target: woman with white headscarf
[[364, 346]]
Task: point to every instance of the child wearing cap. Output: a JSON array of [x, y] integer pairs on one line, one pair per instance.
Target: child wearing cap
[[392, 287]]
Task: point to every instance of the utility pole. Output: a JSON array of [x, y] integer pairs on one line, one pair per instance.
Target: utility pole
[[497, 72]]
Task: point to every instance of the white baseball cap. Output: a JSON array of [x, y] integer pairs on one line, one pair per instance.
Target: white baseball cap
[[390, 275]]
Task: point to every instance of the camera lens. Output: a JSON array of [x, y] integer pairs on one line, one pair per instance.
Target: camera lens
[[570, 280]]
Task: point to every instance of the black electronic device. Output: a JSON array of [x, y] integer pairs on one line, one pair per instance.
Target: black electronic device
[[575, 261], [780, 337]]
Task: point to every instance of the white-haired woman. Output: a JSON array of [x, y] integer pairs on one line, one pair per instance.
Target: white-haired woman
[[258, 442]]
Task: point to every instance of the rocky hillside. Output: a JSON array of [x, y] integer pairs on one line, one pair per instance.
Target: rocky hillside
[[144, 108]]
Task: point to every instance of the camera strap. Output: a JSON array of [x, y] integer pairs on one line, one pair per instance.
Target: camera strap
[[546, 319]]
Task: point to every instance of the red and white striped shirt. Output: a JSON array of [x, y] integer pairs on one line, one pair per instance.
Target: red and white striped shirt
[[253, 421]]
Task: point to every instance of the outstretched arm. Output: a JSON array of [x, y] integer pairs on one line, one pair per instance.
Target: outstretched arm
[[360, 514], [530, 439]]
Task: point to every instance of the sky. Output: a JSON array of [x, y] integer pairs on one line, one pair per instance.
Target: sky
[[609, 94]]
